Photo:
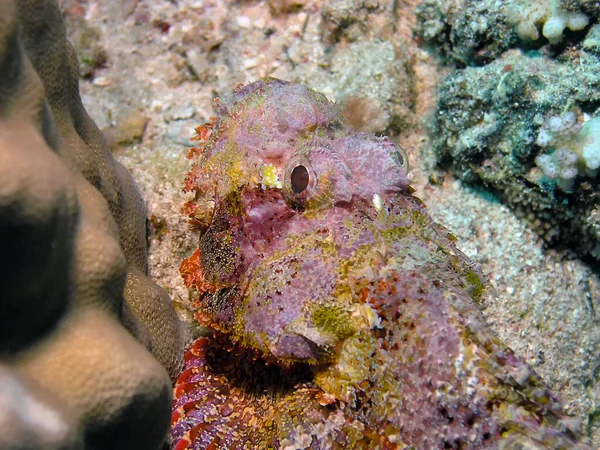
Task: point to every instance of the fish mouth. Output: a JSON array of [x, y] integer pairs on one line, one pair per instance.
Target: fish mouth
[[303, 341], [294, 347]]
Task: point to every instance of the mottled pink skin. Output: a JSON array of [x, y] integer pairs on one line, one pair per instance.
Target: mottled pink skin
[[349, 169], [362, 306]]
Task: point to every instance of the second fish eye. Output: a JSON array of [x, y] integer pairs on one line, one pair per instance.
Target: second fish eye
[[400, 158]]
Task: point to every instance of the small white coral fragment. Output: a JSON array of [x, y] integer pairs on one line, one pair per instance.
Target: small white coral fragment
[[573, 148], [590, 141]]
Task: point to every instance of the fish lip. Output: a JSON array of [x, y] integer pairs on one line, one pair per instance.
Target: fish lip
[[296, 347]]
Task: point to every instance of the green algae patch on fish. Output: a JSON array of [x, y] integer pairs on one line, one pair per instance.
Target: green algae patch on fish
[[474, 280], [342, 315], [333, 319]]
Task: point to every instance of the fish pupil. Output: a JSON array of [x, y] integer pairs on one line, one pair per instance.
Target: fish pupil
[[299, 179]]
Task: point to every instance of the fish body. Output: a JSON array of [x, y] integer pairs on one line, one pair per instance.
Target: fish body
[[343, 316]]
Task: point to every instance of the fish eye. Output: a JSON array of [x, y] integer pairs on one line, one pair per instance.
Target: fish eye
[[299, 179], [400, 158]]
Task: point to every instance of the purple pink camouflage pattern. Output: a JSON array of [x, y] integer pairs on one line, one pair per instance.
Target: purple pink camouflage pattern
[[343, 316]]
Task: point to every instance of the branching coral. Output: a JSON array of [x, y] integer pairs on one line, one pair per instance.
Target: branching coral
[[78, 313]]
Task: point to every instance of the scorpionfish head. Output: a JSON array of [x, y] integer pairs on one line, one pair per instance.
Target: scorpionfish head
[[287, 199]]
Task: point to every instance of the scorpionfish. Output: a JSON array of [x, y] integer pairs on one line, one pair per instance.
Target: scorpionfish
[[342, 315]]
